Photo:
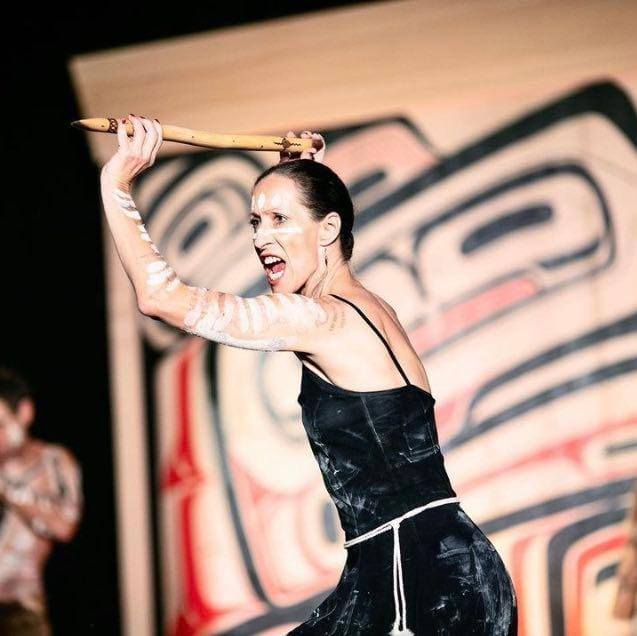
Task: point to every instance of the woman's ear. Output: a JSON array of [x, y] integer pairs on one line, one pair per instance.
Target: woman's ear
[[330, 228]]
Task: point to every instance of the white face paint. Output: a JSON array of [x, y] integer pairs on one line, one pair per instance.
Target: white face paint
[[278, 200], [276, 230], [263, 204], [15, 434]]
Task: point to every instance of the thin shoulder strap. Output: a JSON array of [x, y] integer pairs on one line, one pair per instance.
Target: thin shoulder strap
[[378, 333]]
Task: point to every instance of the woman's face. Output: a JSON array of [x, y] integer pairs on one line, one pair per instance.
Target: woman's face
[[285, 236]]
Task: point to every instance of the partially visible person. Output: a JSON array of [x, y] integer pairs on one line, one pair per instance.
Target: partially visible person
[[626, 596], [40, 503]]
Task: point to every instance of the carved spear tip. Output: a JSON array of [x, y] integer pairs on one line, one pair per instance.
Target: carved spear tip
[[98, 124]]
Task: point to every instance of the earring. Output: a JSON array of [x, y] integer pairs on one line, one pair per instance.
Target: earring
[[325, 255]]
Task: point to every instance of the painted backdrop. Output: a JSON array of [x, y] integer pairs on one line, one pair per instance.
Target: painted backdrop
[[507, 248], [512, 265]]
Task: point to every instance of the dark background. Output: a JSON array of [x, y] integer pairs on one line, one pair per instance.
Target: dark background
[[52, 300]]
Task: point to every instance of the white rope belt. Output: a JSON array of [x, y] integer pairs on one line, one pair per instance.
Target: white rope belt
[[400, 622]]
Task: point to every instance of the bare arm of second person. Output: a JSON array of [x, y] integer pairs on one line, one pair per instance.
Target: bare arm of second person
[[277, 321]]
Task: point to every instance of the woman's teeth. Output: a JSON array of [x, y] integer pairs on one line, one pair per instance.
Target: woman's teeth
[[274, 267]]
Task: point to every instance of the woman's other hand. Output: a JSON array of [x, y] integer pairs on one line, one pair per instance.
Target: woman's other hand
[[312, 153], [137, 153]]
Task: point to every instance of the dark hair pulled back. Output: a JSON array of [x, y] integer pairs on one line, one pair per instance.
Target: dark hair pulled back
[[322, 191], [13, 388]]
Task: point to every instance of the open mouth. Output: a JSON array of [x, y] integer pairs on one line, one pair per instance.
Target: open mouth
[[274, 268]]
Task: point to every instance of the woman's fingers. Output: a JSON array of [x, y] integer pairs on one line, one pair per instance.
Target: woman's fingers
[[135, 153], [149, 140], [289, 153], [122, 137], [311, 153], [138, 136], [305, 154], [320, 153], [158, 141], [315, 154]]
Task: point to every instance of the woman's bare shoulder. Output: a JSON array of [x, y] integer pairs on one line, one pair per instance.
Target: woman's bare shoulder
[[364, 347], [382, 313], [372, 304], [386, 306]]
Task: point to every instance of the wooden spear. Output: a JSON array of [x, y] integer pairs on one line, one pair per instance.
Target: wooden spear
[[207, 139]]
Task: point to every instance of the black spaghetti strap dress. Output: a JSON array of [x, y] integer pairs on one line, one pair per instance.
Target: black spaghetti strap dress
[[416, 562]]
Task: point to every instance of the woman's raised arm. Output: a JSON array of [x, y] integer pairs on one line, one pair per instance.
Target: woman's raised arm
[[272, 322]]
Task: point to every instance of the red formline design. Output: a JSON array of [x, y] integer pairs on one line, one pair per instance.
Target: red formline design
[[571, 448], [458, 318]]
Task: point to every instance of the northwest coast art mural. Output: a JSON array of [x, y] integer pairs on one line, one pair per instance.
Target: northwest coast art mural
[[511, 263]]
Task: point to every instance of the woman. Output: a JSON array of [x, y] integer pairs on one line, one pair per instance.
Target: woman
[[376, 440]]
